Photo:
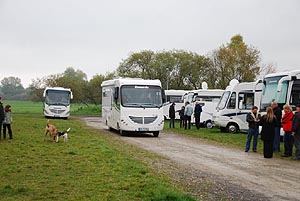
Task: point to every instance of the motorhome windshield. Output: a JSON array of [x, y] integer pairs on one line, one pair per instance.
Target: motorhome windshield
[[141, 96], [57, 97], [223, 100], [270, 92]]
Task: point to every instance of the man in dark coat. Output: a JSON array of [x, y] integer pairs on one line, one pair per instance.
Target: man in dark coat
[[172, 115], [1, 115], [296, 132], [197, 113], [278, 114], [253, 119]]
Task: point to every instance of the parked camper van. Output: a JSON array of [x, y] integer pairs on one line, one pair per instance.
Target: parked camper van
[[173, 96], [208, 99], [283, 88], [57, 102], [234, 105], [133, 105]]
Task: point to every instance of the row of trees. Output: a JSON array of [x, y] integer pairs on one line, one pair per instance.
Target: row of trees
[[177, 69]]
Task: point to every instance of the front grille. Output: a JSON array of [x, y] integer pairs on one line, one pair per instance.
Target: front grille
[[138, 120], [143, 120], [57, 111], [149, 120]]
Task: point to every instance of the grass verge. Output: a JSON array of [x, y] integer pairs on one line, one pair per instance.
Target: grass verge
[[91, 166], [28, 107]]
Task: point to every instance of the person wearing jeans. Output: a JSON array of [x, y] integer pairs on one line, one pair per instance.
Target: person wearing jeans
[[253, 119], [278, 114], [188, 112]]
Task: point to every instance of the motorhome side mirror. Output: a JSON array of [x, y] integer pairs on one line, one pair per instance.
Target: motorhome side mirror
[[163, 95], [241, 105], [116, 94]]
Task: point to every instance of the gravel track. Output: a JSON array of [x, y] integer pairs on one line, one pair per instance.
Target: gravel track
[[229, 173]]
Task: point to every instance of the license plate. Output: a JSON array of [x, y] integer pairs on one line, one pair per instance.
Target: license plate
[[143, 129]]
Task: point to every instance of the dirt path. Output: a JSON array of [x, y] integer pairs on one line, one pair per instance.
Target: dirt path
[[269, 179]]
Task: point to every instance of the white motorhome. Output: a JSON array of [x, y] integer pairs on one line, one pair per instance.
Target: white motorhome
[[133, 105], [234, 105], [57, 102], [283, 88], [173, 96], [208, 99]]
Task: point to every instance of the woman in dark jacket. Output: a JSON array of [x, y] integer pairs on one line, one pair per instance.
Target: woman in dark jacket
[[268, 123]]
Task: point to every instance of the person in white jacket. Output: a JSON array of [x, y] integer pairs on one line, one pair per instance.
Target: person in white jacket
[[7, 122]]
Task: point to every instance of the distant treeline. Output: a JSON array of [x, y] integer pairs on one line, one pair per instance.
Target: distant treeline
[[176, 69]]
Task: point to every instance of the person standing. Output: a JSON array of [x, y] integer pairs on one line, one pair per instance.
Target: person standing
[[172, 115], [268, 123], [287, 121], [197, 113], [181, 115], [253, 119], [7, 122], [188, 111], [278, 114], [296, 132], [1, 115]]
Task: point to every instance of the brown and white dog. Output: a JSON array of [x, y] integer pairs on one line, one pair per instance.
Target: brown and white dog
[[51, 129], [63, 134]]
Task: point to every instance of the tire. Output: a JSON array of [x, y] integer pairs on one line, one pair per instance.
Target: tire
[[123, 133], [232, 128], [155, 133], [208, 124], [222, 129]]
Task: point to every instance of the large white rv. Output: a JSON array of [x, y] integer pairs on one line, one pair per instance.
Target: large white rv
[[283, 88], [234, 105], [57, 102], [208, 99], [173, 96], [133, 105]]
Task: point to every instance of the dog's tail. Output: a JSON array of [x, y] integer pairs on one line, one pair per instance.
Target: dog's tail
[[68, 130], [48, 121]]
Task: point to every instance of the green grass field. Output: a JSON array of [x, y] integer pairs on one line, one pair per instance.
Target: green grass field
[[92, 165], [28, 107]]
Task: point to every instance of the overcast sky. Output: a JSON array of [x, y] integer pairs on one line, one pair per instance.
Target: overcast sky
[[40, 38]]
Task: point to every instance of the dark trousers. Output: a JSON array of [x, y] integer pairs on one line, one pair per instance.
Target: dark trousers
[[268, 149], [187, 122], [182, 122], [172, 123], [197, 121], [288, 140], [0, 128], [8, 126], [297, 145], [276, 143]]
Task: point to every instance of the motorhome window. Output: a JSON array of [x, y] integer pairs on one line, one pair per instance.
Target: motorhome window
[[174, 99], [58, 97], [207, 98], [247, 100], [270, 92], [295, 94], [232, 101], [141, 96], [223, 100]]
